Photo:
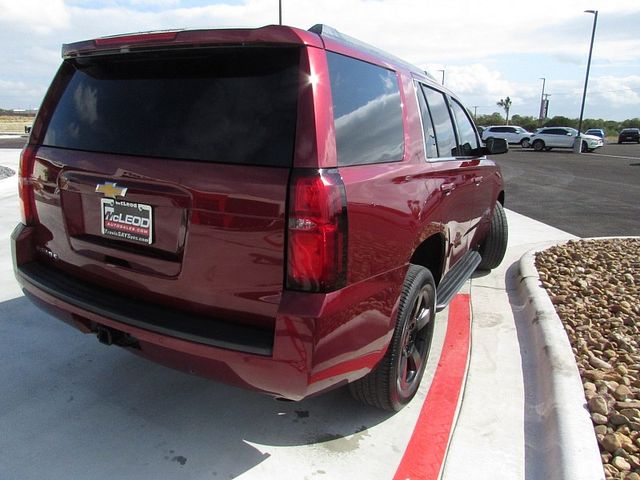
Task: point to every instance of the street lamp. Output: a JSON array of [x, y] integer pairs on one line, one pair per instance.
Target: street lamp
[[442, 76], [586, 78], [541, 115]]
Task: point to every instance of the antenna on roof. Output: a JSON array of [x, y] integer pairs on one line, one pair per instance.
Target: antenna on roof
[[279, 12]]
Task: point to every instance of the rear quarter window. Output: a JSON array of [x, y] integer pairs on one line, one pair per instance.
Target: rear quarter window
[[445, 135], [367, 111], [227, 105], [466, 131]]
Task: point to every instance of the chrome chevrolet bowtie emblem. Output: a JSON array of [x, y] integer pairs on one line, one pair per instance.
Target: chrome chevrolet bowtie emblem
[[111, 190]]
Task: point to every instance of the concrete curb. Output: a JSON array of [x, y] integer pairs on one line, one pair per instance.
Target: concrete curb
[[568, 435]]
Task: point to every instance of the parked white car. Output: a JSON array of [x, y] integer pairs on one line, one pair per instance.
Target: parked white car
[[511, 133], [563, 137]]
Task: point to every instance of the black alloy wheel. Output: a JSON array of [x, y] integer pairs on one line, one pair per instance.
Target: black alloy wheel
[[416, 343], [395, 380]]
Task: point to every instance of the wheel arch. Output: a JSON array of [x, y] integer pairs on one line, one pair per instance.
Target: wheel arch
[[431, 254]]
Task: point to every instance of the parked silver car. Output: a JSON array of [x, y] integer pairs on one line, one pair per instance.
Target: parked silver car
[[563, 137]]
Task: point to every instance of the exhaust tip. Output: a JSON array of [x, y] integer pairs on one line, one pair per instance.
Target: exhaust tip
[[110, 336], [104, 336]]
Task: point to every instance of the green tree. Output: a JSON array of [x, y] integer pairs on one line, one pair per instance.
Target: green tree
[[505, 103], [527, 122], [630, 123], [487, 120], [560, 121]]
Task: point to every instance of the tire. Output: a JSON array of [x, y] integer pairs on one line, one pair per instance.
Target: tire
[[395, 380], [584, 147], [525, 143], [538, 145], [493, 247]]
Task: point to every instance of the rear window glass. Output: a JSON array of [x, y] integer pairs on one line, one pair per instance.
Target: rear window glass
[[228, 105], [367, 111]]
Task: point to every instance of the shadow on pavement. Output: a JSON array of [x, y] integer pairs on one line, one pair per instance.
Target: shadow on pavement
[[73, 408]]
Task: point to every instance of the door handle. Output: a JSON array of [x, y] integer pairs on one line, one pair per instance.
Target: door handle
[[447, 188], [477, 179]]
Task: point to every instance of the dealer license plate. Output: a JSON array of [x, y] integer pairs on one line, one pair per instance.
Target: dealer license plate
[[127, 220]]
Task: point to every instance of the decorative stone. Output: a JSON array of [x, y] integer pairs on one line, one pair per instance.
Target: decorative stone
[[595, 285], [617, 419], [611, 443], [622, 392], [599, 405], [599, 419], [621, 464]]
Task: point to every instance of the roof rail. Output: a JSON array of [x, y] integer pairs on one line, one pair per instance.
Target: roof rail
[[330, 32]]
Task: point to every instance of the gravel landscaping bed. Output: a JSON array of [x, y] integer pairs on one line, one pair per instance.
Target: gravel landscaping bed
[[595, 288], [5, 172]]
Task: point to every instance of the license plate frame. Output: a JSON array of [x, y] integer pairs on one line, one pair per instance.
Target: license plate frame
[[125, 220]]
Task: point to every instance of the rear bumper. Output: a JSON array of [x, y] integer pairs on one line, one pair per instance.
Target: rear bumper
[[320, 340]]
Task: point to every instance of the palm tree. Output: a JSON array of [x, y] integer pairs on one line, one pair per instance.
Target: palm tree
[[506, 104]]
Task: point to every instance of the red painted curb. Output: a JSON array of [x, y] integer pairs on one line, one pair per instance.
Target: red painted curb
[[424, 456]]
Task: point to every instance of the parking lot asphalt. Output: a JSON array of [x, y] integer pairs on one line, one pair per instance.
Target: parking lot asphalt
[[589, 195]]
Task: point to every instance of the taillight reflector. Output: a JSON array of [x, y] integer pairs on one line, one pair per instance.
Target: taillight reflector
[[317, 242], [25, 185]]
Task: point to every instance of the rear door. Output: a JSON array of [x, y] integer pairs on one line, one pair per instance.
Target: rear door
[[479, 195], [163, 176], [455, 175]]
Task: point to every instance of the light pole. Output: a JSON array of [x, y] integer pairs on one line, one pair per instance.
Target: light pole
[[586, 78], [442, 76], [541, 115], [475, 110], [279, 12]]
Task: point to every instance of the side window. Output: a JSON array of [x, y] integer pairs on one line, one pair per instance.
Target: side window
[[445, 135], [431, 149], [367, 111], [466, 130]]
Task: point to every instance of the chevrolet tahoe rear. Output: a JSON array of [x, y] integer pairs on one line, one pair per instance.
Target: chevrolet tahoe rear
[[249, 205]]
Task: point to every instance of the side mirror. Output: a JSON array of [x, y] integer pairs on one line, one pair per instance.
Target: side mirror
[[495, 146]]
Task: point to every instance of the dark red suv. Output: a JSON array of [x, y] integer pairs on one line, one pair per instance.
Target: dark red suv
[[278, 209]]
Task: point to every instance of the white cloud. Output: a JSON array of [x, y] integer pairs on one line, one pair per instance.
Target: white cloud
[[33, 15], [463, 36], [617, 91]]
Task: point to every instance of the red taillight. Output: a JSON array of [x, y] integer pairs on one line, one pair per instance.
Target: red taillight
[[317, 243], [25, 185]]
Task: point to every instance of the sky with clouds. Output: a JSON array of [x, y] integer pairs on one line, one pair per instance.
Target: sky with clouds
[[488, 49]]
